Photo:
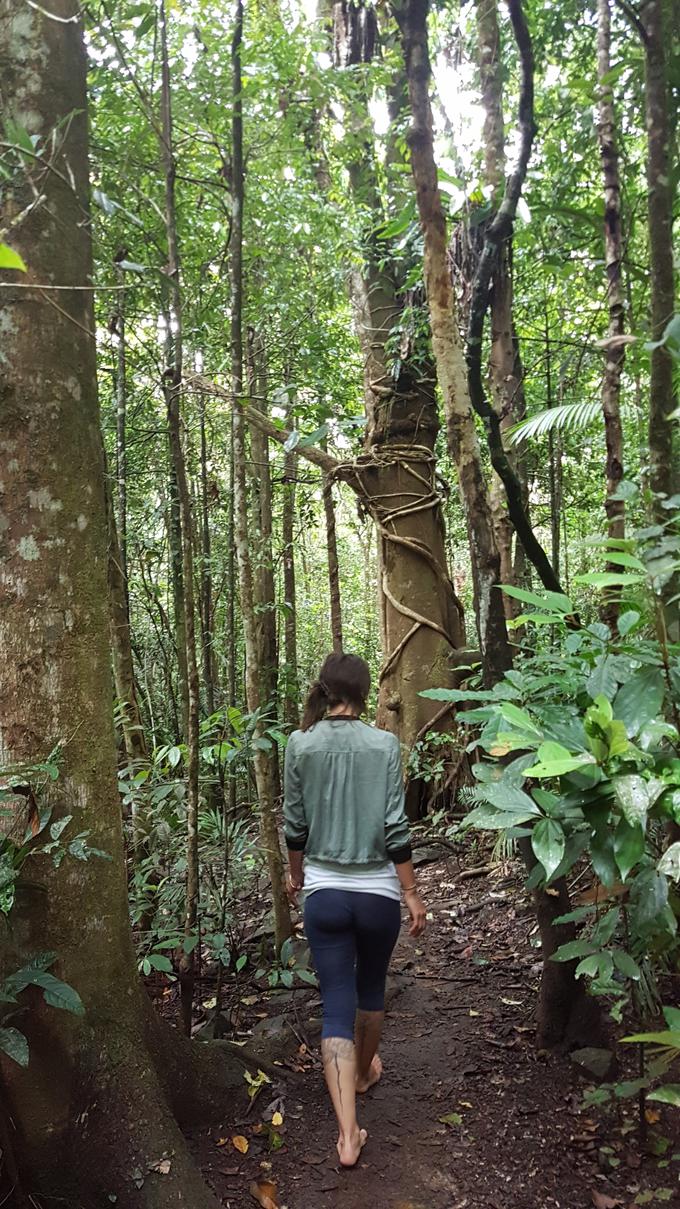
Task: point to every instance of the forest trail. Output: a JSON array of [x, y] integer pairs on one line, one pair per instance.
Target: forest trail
[[458, 1044]]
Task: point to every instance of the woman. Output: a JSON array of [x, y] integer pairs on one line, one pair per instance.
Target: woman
[[344, 810]]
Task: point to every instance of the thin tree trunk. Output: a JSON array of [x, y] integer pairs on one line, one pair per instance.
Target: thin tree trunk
[[663, 467], [451, 370], [333, 563], [505, 369], [121, 430], [613, 245], [261, 761], [173, 387], [121, 646], [209, 671], [292, 689], [175, 550]]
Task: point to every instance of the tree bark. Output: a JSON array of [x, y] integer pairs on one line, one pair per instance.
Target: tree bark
[[663, 465], [261, 761], [291, 693], [505, 367], [209, 669], [333, 564], [172, 380], [451, 371], [615, 352], [91, 1109], [121, 645]]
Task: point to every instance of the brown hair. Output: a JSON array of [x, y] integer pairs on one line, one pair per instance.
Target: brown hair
[[342, 678]]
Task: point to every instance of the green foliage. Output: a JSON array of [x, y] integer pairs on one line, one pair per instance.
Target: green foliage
[[582, 740]]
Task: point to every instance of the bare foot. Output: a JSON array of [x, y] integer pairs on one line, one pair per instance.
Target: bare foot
[[350, 1149], [375, 1071]]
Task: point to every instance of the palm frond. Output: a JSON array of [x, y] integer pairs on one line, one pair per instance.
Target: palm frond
[[568, 417]]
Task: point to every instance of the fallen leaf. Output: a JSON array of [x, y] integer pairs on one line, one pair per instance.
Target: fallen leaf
[[240, 1143], [451, 1118], [277, 1119], [162, 1166], [652, 1115], [264, 1192], [312, 1160], [221, 1141], [602, 1201]]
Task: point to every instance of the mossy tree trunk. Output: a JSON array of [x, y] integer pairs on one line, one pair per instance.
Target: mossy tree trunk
[[91, 1110]]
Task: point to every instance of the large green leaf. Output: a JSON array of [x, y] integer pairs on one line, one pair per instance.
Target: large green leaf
[[636, 795], [487, 818], [602, 857], [548, 843], [567, 417], [555, 761], [14, 1044], [639, 700], [629, 846], [505, 795], [550, 602]]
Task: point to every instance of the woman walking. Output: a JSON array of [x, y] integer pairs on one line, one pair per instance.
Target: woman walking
[[344, 812]]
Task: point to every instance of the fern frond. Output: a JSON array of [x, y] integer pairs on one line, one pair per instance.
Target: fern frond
[[569, 417]]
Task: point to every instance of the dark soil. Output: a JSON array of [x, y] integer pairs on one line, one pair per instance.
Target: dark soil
[[459, 1040]]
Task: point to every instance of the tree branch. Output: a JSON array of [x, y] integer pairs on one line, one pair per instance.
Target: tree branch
[[500, 230], [633, 19], [311, 453]]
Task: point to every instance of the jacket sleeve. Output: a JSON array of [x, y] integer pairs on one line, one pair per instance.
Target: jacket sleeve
[[397, 834], [294, 821]]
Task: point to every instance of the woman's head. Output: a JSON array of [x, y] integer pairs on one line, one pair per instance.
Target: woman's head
[[343, 680]]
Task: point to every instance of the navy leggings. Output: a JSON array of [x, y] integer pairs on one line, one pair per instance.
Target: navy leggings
[[351, 935]]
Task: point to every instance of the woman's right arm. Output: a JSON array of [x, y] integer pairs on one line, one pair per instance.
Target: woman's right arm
[[294, 820]]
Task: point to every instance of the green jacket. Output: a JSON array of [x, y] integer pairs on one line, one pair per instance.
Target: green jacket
[[344, 795]]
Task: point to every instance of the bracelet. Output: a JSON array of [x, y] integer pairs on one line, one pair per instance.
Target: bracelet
[[409, 889]]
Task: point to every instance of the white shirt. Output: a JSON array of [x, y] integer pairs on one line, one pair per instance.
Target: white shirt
[[377, 881]]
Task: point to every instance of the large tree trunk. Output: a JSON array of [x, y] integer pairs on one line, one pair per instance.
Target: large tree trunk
[[422, 622], [613, 247], [450, 361], [172, 379], [262, 763], [91, 1108]]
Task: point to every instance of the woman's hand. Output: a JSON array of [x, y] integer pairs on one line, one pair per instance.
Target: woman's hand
[[416, 909], [293, 888]]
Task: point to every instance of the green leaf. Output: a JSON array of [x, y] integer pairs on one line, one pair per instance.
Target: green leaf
[[306, 976], [625, 964], [668, 1037], [158, 961], [59, 994], [487, 818], [451, 1118], [625, 560], [588, 967], [519, 718], [551, 602], [14, 1044], [629, 846], [287, 978], [9, 259], [572, 950], [639, 700], [603, 680], [568, 417], [240, 962], [668, 1094], [608, 579], [670, 862], [506, 796], [548, 843], [627, 622], [555, 761], [636, 796]]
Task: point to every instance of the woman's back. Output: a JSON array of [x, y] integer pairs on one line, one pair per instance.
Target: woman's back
[[344, 793]]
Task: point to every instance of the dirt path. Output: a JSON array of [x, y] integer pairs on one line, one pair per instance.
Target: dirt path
[[459, 1040]]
